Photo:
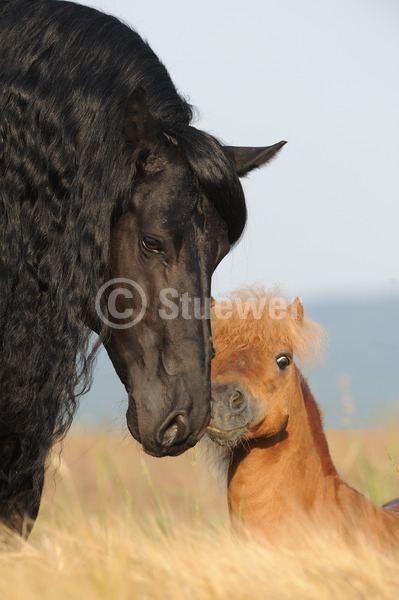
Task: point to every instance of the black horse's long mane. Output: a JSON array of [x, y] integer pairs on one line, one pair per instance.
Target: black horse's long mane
[[66, 72]]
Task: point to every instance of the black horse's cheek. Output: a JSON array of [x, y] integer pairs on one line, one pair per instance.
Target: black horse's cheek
[[86, 172]]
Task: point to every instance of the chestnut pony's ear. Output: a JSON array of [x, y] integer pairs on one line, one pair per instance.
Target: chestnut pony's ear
[[142, 133], [246, 159], [296, 310]]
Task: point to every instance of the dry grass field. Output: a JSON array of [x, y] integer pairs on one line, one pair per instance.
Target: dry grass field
[[116, 524]]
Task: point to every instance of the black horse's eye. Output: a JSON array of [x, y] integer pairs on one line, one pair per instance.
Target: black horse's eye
[[283, 361], [152, 244]]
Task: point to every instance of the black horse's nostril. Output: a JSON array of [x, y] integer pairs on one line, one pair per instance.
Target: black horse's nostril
[[237, 399], [174, 430]]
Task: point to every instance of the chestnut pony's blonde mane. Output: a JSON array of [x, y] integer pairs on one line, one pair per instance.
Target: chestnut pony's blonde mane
[[254, 320]]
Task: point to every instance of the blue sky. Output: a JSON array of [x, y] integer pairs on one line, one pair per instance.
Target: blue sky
[[324, 216]]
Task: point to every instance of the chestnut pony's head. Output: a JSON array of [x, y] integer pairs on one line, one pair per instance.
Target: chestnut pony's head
[[253, 372]]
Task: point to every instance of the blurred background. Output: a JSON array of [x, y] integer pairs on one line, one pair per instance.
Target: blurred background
[[324, 216]]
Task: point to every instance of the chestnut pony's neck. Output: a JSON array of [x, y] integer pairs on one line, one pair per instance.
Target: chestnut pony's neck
[[315, 424], [270, 477], [274, 481]]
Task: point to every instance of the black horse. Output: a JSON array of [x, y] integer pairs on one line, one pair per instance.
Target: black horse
[[101, 177]]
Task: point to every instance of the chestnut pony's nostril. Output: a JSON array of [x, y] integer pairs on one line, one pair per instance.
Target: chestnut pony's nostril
[[174, 430], [237, 399]]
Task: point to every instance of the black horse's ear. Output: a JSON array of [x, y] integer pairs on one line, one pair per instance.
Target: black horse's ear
[[246, 159], [142, 132]]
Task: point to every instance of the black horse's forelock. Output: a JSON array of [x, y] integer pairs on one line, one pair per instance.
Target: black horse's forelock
[[66, 72], [216, 177]]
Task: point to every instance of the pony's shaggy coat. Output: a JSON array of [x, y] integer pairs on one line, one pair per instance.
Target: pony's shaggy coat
[[280, 472]]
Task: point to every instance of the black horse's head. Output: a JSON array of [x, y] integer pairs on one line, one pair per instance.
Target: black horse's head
[[187, 210]]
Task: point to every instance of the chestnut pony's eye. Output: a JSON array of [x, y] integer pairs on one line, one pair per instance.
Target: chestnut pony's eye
[[152, 244], [283, 361]]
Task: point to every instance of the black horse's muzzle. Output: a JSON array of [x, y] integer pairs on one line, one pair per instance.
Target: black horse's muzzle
[[177, 432]]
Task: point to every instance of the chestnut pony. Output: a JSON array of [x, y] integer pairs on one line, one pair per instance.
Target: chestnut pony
[[264, 415]]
